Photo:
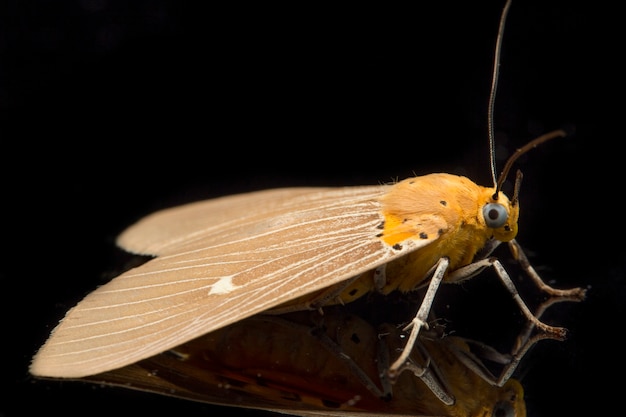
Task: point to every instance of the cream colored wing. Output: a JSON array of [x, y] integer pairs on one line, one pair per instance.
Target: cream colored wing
[[236, 257]]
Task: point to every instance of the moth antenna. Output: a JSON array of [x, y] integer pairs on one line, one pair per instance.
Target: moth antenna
[[518, 184], [521, 151], [494, 86]]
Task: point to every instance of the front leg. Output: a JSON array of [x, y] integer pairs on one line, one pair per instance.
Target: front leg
[[473, 269], [574, 294], [474, 358], [420, 318]]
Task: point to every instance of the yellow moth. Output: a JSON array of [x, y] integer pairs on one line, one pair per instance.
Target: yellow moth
[[220, 261], [310, 364]]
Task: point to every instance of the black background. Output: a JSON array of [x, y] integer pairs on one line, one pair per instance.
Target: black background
[[113, 109]]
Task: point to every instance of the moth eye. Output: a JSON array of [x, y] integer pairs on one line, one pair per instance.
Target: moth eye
[[495, 215]]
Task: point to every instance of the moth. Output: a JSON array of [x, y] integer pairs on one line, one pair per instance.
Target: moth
[[218, 262], [313, 364], [223, 260]]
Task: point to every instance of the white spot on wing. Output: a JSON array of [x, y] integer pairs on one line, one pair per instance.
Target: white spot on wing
[[223, 286]]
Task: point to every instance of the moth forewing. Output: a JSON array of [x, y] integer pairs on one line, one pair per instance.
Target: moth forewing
[[223, 273]]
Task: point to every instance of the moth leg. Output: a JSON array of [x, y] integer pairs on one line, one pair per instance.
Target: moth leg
[[420, 319], [475, 361], [335, 349], [430, 374], [470, 270], [523, 342], [520, 257], [382, 364]]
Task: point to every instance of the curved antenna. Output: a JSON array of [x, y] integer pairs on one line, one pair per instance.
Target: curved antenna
[[494, 86], [521, 151]]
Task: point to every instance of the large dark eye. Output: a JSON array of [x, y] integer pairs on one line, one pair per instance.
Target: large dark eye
[[503, 409], [495, 215]]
